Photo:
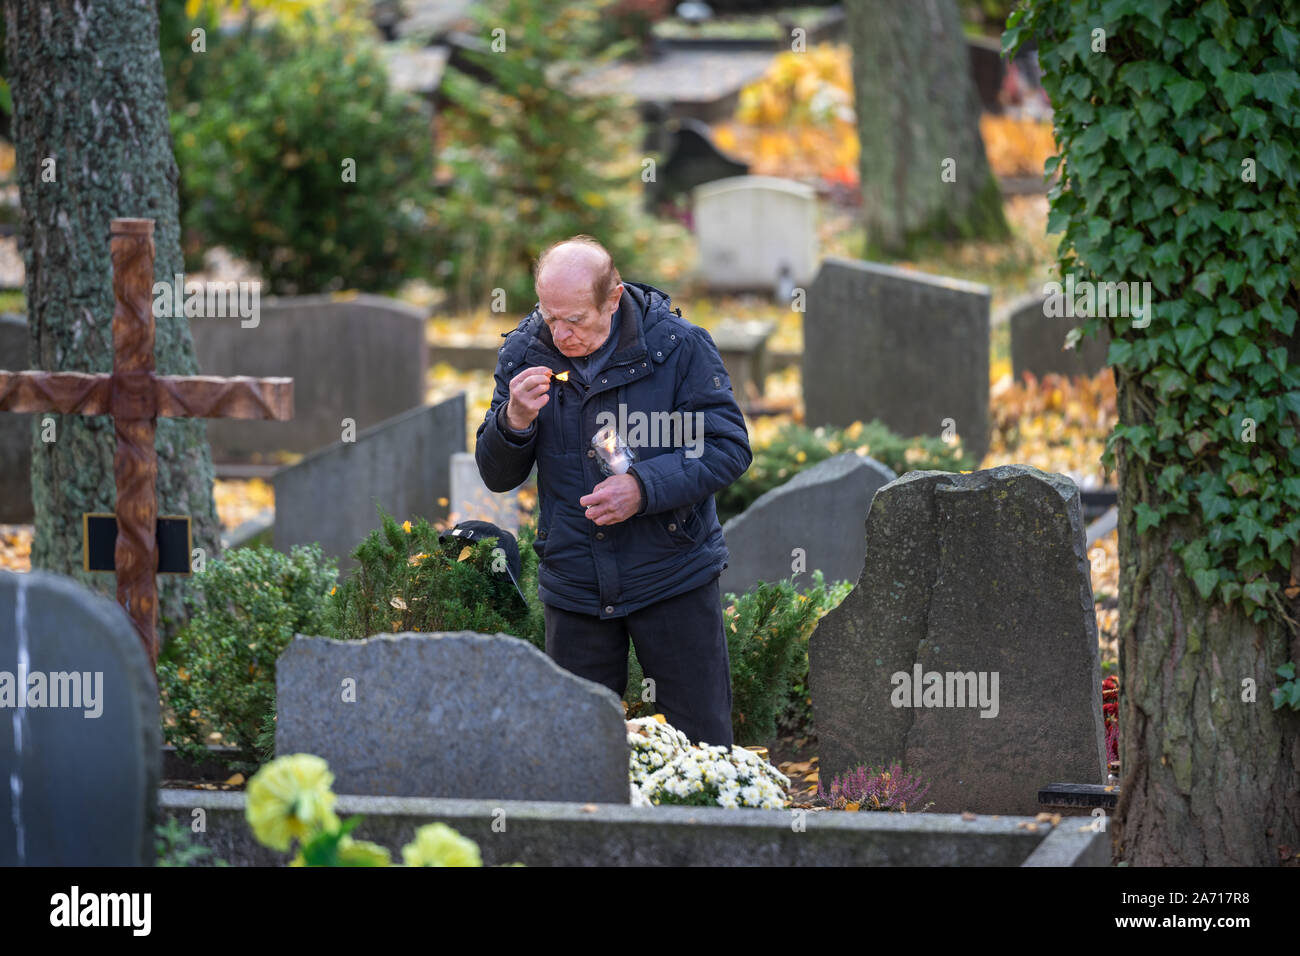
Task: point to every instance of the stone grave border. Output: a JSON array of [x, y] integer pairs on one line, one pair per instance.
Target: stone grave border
[[572, 834]]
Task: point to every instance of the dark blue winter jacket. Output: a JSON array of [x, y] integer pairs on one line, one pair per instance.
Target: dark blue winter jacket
[[664, 364]]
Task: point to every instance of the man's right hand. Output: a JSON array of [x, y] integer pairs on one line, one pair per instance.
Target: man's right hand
[[528, 393]]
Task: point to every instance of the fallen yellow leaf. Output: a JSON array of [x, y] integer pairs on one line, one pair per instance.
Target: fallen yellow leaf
[[851, 807], [235, 781], [465, 553]]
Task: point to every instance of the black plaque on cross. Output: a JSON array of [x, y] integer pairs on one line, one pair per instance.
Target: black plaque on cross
[[99, 542]]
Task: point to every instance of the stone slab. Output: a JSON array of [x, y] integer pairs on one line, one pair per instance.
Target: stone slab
[[821, 510], [984, 574], [85, 772], [1038, 343], [901, 346], [574, 834], [402, 464], [363, 357], [451, 715]]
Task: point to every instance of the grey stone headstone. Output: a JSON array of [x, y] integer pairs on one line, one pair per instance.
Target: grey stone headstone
[[752, 230], [984, 573], [87, 774], [822, 509], [1038, 342], [332, 496], [451, 715], [363, 358], [15, 431], [471, 500], [907, 348]]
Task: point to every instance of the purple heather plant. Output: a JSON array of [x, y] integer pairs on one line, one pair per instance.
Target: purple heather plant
[[875, 789]]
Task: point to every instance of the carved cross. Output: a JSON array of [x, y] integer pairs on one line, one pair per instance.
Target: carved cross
[[135, 396]]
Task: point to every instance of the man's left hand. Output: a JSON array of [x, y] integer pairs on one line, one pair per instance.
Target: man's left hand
[[615, 499]]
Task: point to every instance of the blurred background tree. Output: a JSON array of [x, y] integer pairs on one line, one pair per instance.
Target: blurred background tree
[[924, 173], [295, 152], [524, 162]]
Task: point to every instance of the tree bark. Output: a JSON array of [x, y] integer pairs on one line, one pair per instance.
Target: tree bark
[[88, 93], [917, 107], [1209, 779]]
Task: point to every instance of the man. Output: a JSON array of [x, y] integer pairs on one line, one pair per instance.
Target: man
[[636, 554]]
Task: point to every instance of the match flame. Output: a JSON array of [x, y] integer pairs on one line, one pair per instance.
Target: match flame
[[561, 376]]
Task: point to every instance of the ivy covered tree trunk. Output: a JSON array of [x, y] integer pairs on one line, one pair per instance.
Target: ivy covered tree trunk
[[1180, 174], [1210, 778], [93, 143], [924, 172]]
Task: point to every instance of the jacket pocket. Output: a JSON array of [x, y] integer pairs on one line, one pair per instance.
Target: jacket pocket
[[684, 526]]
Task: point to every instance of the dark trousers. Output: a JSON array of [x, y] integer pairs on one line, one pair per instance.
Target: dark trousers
[[681, 646]]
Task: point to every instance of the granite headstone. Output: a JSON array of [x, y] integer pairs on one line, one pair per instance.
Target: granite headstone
[[754, 230], [471, 500], [451, 715], [362, 357], [15, 431], [332, 496], [983, 581], [904, 347], [821, 511], [80, 745], [1038, 342]]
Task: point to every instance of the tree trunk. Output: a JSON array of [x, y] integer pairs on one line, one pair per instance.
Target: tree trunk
[[89, 94], [916, 109], [1209, 779]]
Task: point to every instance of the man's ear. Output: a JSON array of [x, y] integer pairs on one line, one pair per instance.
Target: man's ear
[[611, 304]]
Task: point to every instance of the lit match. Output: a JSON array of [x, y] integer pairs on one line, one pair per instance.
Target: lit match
[[560, 376]]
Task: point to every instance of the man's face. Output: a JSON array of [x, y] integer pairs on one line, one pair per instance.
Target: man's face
[[578, 326]]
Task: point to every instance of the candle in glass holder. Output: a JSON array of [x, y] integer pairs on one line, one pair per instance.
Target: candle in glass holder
[[614, 454]]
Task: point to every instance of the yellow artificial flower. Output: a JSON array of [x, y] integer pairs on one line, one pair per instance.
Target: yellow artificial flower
[[437, 844], [406, 526], [362, 853], [291, 797]]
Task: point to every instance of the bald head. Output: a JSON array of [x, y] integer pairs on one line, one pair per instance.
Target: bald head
[[578, 290]]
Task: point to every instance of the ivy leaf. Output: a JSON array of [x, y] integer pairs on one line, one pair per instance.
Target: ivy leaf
[[1235, 87], [1214, 55], [1276, 87], [1185, 94], [1272, 158], [1215, 506], [1147, 517], [1205, 581], [1256, 591], [1242, 483]]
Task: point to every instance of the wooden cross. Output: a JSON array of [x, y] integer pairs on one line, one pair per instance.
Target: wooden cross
[[135, 396]]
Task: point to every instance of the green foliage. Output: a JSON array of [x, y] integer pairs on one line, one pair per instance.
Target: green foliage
[[796, 447], [1180, 162], [1287, 695], [174, 846], [797, 717], [407, 581], [529, 163], [265, 125], [767, 639], [218, 673]]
